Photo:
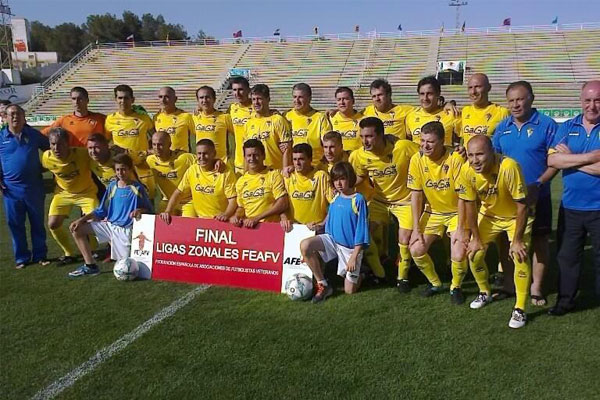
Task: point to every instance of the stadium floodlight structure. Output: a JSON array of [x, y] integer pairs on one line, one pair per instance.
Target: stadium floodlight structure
[[458, 4], [5, 36]]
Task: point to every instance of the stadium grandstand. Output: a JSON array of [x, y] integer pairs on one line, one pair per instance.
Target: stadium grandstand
[[556, 62]]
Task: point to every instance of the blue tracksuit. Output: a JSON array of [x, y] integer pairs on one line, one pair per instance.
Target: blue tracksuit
[[21, 174]]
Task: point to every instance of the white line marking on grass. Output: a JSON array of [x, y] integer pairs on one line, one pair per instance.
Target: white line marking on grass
[[102, 355]]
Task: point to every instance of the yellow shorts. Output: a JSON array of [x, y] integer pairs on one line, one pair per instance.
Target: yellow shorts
[[184, 210], [63, 202], [490, 228], [382, 212], [438, 224]]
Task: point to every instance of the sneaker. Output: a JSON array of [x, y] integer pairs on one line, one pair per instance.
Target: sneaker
[[64, 260], [456, 296], [323, 292], [481, 300], [431, 290], [44, 262], [84, 270], [518, 319], [21, 265], [402, 286]]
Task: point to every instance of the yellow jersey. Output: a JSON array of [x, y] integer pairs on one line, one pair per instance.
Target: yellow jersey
[[73, 175], [309, 195], [419, 117], [437, 180], [239, 116], [388, 172], [271, 131], [168, 173], [131, 132], [215, 127], [349, 129], [104, 172], [210, 190], [498, 191], [257, 192], [309, 128], [179, 125], [394, 121], [481, 121]]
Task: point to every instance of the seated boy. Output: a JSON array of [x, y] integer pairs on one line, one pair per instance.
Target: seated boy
[[123, 200], [346, 234]]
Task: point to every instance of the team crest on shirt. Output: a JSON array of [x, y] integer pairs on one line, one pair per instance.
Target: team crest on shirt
[[445, 168], [417, 119], [308, 120], [468, 116], [262, 181], [268, 123], [438, 118], [529, 132], [488, 116], [71, 122]]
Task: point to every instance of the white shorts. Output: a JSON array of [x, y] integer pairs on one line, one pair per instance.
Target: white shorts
[[335, 250], [118, 237]]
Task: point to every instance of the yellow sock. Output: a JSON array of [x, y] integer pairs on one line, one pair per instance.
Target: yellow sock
[[403, 261], [425, 264], [480, 272], [372, 257], [459, 270], [522, 279], [61, 236]]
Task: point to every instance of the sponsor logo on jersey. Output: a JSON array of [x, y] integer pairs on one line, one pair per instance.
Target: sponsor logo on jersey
[[442, 184], [248, 194], [476, 130], [206, 128], [307, 195], [128, 132], [240, 121], [387, 171], [168, 175], [208, 189], [300, 133], [351, 134]]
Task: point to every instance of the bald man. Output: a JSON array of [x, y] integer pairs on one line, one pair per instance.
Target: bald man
[[177, 123], [576, 151], [496, 182]]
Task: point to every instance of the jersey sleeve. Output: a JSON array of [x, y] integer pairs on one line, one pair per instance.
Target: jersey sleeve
[[415, 178], [44, 159], [184, 183], [230, 185], [148, 124], [515, 182], [551, 133], [278, 187], [464, 186], [354, 160], [284, 130], [361, 234], [496, 138], [328, 188], [325, 125], [55, 124]]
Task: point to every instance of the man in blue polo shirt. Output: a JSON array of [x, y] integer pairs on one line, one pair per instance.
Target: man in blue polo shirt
[[526, 136], [22, 187], [576, 150]]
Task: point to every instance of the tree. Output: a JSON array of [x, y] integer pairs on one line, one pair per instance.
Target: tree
[[67, 40], [106, 28]]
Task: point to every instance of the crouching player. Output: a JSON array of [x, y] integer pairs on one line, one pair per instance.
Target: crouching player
[[498, 183], [124, 200], [346, 235]]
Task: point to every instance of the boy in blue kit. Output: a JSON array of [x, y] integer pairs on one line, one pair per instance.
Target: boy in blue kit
[[111, 222], [346, 235]]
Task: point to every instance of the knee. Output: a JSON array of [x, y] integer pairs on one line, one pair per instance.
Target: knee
[[54, 224], [305, 247], [417, 250]]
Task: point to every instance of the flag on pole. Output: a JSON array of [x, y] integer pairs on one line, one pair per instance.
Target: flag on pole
[[356, 28], [316, 30], [400, 27], [506, 22], [442, 28], [237, 34], [555, 20], [277, 32], [130, 37], [464, 25]]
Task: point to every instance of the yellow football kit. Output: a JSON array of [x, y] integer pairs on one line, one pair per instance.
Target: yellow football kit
[[179, 125], [216, 127], [310, 196], [394, 120], [349, 129], [481, 121], [257, 192], [132, 132], [210, 190], [168, 174], [419, 117], [104, 172], [239, 116], [365, 188], [271, 131], [309, 129]]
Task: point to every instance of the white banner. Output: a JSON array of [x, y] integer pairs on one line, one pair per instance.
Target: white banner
[[292, 256], [142, 246]]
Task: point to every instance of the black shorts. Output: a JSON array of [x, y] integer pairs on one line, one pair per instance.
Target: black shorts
[[542, 224]]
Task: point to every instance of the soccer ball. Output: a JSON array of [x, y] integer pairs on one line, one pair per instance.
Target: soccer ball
[[299, 287], [126, 269]]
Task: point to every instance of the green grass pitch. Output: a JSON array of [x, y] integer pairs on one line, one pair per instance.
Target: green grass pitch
[[230, 343]]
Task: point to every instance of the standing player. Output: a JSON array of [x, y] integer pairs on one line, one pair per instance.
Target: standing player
[[81, 123], [497, 182], [176, 122], [432, 177], [429, 91], [261, 194], [386, 165], [526, 137], [168, 167], [309, 191], [212, 124], [346, 235], [74, 187], [131, 131], [124, 200], [240, 112], [308, 125], [392, 115], [271, 129], [213, 192], [346, 119]]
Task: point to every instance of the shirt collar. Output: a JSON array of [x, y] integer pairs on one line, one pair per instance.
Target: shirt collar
[[534, 118], [578, 120]]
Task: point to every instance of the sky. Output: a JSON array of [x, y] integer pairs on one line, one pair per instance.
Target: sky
[[260, 18]]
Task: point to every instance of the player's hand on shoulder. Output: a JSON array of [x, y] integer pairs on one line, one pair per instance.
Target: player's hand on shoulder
[[331, 112], [462, 150], [287, 171], [220, 166], [451, 109]]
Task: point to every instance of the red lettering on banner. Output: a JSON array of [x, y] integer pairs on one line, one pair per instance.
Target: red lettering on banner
[[208, 251]]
